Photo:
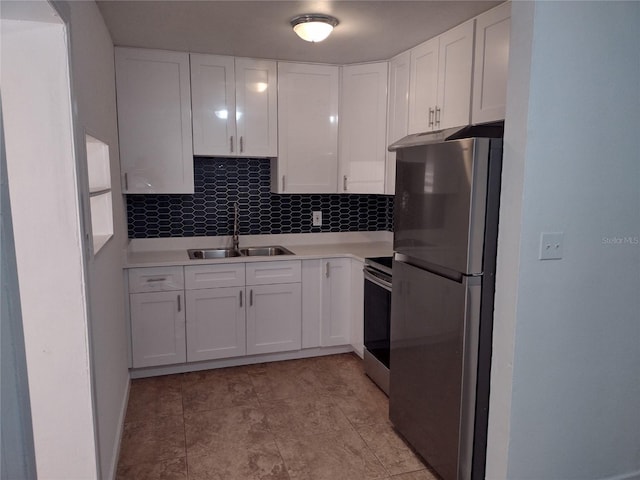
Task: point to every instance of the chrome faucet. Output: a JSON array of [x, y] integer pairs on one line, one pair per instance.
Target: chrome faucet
[[236, 236]]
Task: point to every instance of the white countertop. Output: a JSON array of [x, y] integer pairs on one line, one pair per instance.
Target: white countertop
[[174, 251]]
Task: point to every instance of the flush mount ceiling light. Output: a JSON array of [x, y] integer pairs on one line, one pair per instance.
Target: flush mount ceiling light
[[313, 27]]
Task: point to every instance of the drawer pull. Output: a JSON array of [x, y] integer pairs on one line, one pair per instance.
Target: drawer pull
[[158, 279]]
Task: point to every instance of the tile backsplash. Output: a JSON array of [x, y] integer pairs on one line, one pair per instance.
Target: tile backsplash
[[221, 182]]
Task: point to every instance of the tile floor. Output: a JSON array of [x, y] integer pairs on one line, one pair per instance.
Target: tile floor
[[309, 419]]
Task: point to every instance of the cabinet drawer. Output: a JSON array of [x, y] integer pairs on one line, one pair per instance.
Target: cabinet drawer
[[214, 276], [264, 273], [155, 279]]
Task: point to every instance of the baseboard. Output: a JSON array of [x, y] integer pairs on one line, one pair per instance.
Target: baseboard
[[116, 451], [238, 361]]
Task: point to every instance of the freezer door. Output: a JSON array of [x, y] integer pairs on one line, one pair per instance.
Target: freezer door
[[432, 380], [439, 208]]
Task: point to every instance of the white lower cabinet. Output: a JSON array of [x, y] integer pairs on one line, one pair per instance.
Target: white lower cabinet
[[274, 318], [335, 320], [326, 302], [215, 323], [157, 328]]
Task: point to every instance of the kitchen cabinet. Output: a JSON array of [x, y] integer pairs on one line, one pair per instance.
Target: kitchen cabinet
[[336, 302], [363, 123], [157, 316], [308, 97], [234, 102], [493, 29], [327, 302], [440, 83], [356, 291], [215, 306], [274, 313], [397, 113], [154, 121]]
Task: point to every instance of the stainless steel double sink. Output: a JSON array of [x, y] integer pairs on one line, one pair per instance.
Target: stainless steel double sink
[[212, 253]]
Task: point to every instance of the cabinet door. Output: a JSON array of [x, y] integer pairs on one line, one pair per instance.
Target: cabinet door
[[363, 123], [398, 112], [455, 69], [157, 328], [154, 124], [256, 107], [336, 302], [493, 29], [214, 105], [423, 86], [215, 323], [274, 318], [308, 98]]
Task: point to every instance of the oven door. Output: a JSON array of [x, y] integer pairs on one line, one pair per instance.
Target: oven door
[[377, 314]]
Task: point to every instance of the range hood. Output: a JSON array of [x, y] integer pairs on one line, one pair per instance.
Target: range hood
[[486, 130]]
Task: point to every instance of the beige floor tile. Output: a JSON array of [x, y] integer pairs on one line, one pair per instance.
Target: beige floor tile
[[289, 379], [311, 415], [153, 441], [211, 430], [154, 397], [260, 460], [214, 389], [174, 469], [334, 456], [363, 405], [390, 449], [419, 475]]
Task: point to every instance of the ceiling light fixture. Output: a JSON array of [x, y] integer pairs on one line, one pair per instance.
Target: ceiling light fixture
[[313, 27]]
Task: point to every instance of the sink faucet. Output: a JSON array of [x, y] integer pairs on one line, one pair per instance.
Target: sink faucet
[[236, 237]]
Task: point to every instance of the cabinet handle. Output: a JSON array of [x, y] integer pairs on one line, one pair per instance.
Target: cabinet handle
[[241, 298], [251, 298], [231, 143], [326, 269], [241, 144], [158, 279], [283, 188], [179, 304], [126, 181], [437, 116], [344, 183], [431, 117]]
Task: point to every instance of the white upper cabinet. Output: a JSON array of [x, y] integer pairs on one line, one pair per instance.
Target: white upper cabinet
[[491, 64], [213, 104], [234, 102], [363, 124], [423, 87], [440, 84], [308, 97], [398, 112], [154, 120]]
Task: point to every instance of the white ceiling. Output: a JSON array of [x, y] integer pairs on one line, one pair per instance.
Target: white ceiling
[[367, 31]]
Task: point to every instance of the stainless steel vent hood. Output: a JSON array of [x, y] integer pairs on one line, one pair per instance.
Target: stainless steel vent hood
[[487, 130]]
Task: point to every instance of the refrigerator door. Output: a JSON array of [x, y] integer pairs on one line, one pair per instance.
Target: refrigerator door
[[432, 382], [440, 202]]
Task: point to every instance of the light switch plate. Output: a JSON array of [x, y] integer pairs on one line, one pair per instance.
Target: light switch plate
[[551, 245], [317, 219]]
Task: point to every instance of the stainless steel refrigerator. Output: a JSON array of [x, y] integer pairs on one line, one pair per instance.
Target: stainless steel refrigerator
[[445, 235]]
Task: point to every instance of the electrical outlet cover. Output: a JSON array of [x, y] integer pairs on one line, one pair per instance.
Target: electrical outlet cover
[[551, 245]]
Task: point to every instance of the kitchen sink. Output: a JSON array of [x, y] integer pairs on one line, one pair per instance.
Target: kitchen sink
[[206, 253], [211, 253], [265, 251]]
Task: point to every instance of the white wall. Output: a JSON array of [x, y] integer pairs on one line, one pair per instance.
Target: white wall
[[94, 90], [565, 387], [44, 200]]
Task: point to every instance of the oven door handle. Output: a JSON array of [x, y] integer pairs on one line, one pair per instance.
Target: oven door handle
[[376, 279]]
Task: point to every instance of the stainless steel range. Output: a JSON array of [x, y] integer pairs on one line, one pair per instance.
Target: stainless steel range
[[377, 316]]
